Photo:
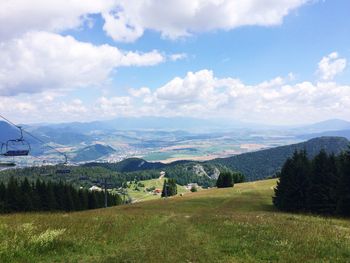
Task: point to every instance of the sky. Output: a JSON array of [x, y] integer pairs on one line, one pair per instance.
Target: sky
[[264, 61]]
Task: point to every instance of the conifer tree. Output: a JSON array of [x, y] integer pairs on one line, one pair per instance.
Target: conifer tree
[[26, 196], [13, 195], [225, 179], [343, 190], [291, 190], [2, 197], [323, 181]]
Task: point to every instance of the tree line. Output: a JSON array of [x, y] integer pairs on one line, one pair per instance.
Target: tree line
[[319, 185], [23, 195]]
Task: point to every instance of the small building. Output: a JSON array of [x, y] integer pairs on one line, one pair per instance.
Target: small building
[[157, 191], [95, 188]]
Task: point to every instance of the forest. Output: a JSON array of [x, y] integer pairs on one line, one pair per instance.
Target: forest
[[24, 196], [318, 185]]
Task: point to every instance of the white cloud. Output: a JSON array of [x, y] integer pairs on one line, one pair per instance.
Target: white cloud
[[197, 94], [178, 56], [126, 20], [144, 91], [120, 28], [179, 18], [42, 61], [201, 94], [113, 106], [331, 65], [20, 16]]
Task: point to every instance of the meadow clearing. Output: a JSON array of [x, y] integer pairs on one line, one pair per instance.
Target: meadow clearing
[[217, 225]]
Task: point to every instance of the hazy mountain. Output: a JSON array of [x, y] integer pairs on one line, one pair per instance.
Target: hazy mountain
[[8, 132], [159, 123], [328, 125], [64, 136], [341, 133]]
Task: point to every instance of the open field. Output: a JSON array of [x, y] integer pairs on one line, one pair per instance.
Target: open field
[[217, 225], [143, 195]]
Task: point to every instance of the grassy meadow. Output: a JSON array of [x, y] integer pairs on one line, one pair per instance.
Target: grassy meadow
[[216, 225], [142, 195]]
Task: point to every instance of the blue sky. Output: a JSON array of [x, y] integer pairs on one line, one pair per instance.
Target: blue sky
[[257, 62]]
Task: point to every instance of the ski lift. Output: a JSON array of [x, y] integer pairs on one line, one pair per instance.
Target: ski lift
[[63, 169], [7, 164], [16, 147]]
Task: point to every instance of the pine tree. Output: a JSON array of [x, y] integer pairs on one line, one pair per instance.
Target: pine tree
[[68, 199], [169, 188], [291, 190], [165, 191], [92, 200], [343, 190], [322, 184], [225, 179], [13, 197], [51, 197], [3, 203], [84, 199], [27, 196]]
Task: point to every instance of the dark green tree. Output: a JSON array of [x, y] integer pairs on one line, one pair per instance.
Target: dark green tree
[[291, 190], [169, 188], [343, 190], [323, 183], [224, 180], [26, 196]]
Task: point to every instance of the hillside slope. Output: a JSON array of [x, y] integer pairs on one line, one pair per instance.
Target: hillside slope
[[218, 225], [128, 165], [93, 152], [262, 164]]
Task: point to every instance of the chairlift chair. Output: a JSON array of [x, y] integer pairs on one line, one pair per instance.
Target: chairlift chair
[[16, 147], [63, 169]]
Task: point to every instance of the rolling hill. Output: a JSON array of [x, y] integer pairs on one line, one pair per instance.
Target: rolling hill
[[262, 164], [92, 152], [128, 165]]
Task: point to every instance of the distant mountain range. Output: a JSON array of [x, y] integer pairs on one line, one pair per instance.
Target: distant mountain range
[[82, 141], [8, 132], [328, 125]]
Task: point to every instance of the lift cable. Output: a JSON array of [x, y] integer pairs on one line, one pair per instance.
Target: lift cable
[[35, 137]]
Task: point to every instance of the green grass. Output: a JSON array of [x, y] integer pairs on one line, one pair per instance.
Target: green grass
[[217, 225], [143, 195]]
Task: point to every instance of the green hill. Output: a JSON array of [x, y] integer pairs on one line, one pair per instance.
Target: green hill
[[218, 225], [265, 163], [92, 152], [128, 165]]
